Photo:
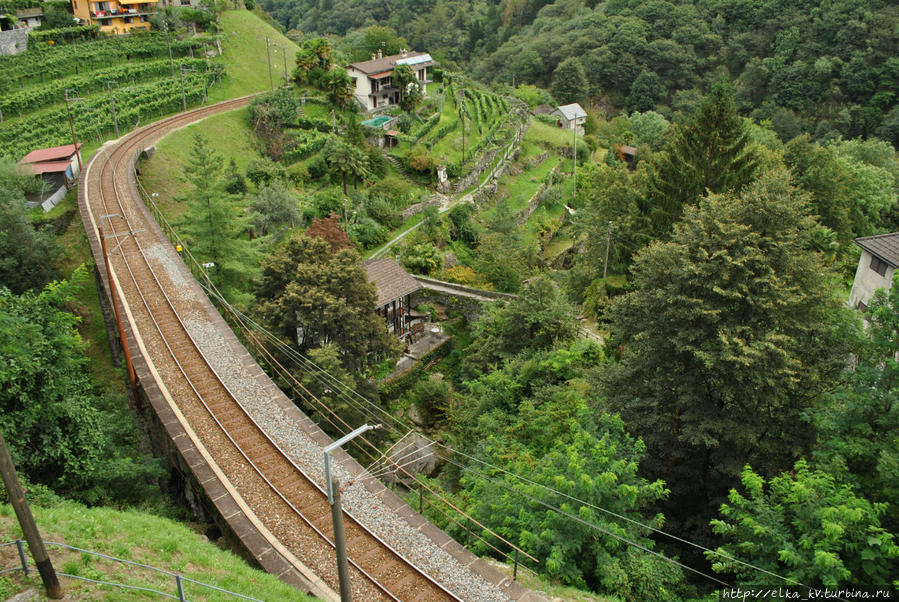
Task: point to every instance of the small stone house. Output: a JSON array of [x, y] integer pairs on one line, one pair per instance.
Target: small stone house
[[394, 287], [373, 79], [57, 167], [878, 263], [570, 117]]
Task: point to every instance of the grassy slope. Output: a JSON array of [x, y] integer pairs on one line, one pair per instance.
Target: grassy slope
[[228, 133], [245, 56], [138, 537]]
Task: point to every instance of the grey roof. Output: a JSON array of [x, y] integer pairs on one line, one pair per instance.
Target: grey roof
[[885, 246], [391, 281], [572, 111], [387, 63]]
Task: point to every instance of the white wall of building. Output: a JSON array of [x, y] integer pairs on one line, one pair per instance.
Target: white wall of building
[[867, 281]]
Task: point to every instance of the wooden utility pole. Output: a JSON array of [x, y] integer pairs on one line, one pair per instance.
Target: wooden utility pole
[[605, 263], [271, 83], [168, 40], [115, 120], [72, 125], [26, 521]]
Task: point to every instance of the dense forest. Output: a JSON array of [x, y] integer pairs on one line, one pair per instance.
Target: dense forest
[[821, 67]]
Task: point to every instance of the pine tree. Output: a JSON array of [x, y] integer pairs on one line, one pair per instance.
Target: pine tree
[[729, 338], [213, 225], [708, 154]]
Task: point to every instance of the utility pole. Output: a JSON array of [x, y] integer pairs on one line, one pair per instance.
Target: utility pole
[[115, 120], [462, 117], [183, 97], [574, 151], [333, 485], [286, 77], [605, 263], [26, 521], [72, 126], [168, 41], [271, 83]]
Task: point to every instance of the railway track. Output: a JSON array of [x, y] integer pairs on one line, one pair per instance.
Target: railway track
[[289, 506]]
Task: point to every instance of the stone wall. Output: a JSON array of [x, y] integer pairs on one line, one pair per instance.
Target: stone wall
[[14, 41]]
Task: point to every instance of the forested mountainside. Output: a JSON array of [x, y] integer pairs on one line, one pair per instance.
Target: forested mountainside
[[816, 66]]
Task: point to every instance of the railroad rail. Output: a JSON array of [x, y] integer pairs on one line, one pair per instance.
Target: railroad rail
[[164, 319]]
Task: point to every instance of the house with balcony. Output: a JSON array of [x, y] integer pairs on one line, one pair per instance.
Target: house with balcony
[[375, 88], [115, 16]]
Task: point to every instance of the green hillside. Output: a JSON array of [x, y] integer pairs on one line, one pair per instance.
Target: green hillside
[[138, 537], [33, 110]]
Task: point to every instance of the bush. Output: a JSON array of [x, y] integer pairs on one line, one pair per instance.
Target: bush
[[422, 258], [327, 202], [368, 233], [317, 168], [264, 170]]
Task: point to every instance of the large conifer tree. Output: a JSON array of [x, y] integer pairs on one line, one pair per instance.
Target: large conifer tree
[[709, 153]]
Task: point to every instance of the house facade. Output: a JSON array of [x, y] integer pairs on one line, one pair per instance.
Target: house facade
[[878, 263], [394, 287], [115, 16], [57, 168], [570, 117], [373, 79]]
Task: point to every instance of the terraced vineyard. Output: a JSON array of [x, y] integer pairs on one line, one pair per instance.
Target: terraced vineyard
[[136, 71]]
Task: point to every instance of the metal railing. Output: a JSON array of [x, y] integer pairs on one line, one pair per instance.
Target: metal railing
[[180, 580]]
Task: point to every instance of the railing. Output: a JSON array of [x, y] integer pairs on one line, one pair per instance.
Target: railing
[[179, 579]]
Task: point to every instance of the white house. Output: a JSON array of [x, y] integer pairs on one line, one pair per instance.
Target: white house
[[878, 263], [571, 117], [375, 88], [57, 168]]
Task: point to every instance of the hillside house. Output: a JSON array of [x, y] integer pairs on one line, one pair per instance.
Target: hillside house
[[878, 263], [570, 117], [30, 17], [115, 16], [394, 287], [57, 168], [375, 88]]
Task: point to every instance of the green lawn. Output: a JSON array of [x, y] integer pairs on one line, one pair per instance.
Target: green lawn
[[229, 134], [548, 134], [139, 537], [245, 55]]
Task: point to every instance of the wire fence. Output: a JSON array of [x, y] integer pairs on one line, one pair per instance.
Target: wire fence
[[179, 580]]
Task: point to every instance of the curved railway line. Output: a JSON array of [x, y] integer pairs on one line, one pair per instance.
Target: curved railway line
[[288, 506]]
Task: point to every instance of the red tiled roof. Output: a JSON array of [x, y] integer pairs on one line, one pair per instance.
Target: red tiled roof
[[391, 281], [47, 167], [380, 75], [50, 154]]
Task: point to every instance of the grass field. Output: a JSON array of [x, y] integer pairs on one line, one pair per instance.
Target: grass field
[[137, 537], [244, 53], [229, 134], [553, 136]]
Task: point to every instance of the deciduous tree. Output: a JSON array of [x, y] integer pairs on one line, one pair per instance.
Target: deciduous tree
[[311, 295]]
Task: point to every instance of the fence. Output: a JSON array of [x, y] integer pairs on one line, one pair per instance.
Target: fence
[[179, 580]]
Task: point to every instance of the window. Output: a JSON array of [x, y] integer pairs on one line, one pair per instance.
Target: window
[[878, 265]]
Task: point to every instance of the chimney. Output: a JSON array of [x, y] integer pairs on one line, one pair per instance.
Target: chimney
[[380, 56], [373, 56], [403, 52]]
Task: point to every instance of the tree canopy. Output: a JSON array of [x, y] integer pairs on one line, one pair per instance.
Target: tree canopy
[[728, 336], [311, 296]]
